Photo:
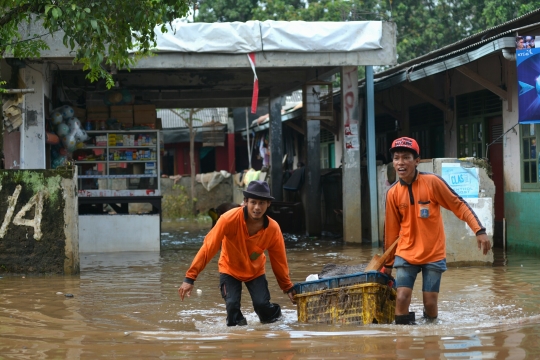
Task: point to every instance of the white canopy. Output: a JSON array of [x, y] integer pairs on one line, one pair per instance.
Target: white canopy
[[281, 36]]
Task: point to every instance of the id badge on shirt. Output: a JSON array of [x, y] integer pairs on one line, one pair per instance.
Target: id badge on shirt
[[423, 209]]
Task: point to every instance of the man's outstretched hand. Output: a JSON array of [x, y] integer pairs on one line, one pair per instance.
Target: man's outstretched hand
[[185, 289], [483, 243]]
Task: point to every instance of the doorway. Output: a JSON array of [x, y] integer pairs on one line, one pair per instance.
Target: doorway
[[207, 157]]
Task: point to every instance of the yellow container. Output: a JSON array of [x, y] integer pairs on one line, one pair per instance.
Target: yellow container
[[368, 303]]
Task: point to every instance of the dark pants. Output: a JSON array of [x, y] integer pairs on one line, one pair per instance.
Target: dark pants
[[231, 291]]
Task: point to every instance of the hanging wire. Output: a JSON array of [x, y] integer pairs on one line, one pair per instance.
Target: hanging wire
[[500, 136]]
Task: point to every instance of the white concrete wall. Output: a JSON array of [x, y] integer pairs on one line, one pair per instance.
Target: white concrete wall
[[115, 233], [511, 141], [461, 245], [33, 128]]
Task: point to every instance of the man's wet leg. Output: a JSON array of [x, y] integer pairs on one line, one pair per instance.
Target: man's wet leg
[[260, 296], [231, 291]]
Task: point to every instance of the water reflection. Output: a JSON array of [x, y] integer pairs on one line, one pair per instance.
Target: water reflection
[[126, 305]]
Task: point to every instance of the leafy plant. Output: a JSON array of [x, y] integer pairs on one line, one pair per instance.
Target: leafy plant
[[178, 204], [100, 33]]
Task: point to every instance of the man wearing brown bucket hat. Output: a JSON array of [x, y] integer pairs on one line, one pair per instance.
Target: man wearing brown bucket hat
[[243, 234]]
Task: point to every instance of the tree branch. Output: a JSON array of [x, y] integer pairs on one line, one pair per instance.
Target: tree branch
[[12, 14]]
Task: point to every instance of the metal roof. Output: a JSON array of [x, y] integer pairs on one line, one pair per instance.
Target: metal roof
[[173, 118], [457, 54]]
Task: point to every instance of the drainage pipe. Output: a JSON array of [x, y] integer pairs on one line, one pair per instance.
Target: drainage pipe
[[508, 55]]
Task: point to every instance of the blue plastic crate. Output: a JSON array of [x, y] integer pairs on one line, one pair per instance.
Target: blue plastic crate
[[342, 280]]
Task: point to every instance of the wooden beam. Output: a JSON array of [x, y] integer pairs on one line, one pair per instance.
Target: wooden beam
[[19, 91], [426, 97], [295, 127], [387, 110], [330, 127], [482, 81]]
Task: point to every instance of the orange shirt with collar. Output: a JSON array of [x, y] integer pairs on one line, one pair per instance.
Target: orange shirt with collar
[[242, 256], [422, 240]]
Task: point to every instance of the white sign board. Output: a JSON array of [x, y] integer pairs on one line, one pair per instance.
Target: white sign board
[[464, 181]]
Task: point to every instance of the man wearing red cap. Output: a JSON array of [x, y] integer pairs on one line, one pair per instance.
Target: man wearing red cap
[[413, 214], [243, 234]]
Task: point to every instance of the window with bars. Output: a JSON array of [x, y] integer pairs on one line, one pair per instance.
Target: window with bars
[[327, 149], [427, 128], [529, 156], [471, 139], [471, 110]]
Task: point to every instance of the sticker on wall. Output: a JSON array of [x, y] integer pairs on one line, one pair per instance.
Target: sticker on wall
[[464, 181]]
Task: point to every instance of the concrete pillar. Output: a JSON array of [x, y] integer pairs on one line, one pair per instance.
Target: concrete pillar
[[450, 124], [352, 224], [231, 150], [276, 148], [32, 154], [313, 179], [371, 157]]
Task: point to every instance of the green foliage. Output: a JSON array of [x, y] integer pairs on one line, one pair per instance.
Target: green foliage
[[226, 10], [101, 33], [422, 26], [178, 204]]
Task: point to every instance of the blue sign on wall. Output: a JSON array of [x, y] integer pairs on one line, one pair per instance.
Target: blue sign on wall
[[464, 181], [528, 75]]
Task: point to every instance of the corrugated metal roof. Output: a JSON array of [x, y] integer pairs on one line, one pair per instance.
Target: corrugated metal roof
[[172, 118], [445, 62], [292, 100], [474, 40]]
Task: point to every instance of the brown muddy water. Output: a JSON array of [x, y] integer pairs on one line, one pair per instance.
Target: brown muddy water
[[125, 306]]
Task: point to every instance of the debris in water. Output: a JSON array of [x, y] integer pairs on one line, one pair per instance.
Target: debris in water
[[186, 232], [126, 333], [199, 291], [59, 293], [68, 295], [330, 270]]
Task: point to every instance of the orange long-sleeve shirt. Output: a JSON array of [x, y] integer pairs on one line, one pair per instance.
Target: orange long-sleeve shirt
[[242, 256], [422, 240]]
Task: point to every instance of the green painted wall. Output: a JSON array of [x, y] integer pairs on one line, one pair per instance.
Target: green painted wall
[[522, 222]]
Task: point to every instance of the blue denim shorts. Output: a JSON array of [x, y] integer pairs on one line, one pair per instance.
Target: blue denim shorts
[[431, 274]]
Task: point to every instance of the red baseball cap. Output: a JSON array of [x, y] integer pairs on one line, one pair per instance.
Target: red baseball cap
[[405, 143]]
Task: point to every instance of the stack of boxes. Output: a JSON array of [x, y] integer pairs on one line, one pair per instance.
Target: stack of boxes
[[97, 117], [101, 140], [123, 114], [80, 114], [128, 115], [144, 115]]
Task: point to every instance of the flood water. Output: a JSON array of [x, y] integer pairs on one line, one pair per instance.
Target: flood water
[[126, 306]]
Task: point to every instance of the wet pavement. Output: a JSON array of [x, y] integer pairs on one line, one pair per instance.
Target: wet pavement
[[125, 305]]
